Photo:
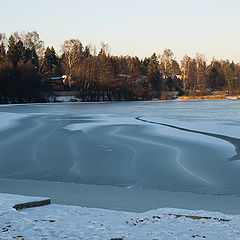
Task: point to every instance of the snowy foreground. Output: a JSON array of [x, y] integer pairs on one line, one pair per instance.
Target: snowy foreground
[[72, 222]]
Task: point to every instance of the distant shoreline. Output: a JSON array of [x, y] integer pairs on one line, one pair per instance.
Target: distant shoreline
[[210, 97], [66, 99]]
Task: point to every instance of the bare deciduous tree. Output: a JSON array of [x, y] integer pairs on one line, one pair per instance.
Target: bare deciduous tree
[[185, 63], [166, 62], [201, 68], [72, 51]]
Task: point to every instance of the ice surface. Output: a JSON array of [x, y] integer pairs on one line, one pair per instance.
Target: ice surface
[[10, 120], [92, 151]]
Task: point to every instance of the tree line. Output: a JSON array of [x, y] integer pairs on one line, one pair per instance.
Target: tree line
[[26, 68]]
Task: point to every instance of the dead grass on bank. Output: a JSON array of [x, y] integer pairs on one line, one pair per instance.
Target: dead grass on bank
[[210, 97], [199, 217]]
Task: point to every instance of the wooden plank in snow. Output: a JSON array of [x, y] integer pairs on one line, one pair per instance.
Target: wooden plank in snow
[[32, 204]]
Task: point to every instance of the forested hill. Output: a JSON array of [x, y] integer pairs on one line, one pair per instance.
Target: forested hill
[[27, 68]]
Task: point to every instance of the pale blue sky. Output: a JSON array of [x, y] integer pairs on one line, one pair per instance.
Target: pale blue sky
[[133, 27]]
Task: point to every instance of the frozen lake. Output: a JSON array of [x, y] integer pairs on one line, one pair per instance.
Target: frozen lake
[[128, 156]]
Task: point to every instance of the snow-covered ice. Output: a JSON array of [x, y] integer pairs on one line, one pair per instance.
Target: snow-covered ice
[[10, 120], [164, 154]]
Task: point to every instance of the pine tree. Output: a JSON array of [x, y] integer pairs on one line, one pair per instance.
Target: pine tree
[[51, 62], [153, 73], [12, 53], [216, 75], [212, 77], [20, 51], [31, 55], [16, 51], [47, 61], [228, 72], [2, 52]]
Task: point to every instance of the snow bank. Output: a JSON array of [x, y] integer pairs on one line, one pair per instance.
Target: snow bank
[[71, 222], [64, 99]]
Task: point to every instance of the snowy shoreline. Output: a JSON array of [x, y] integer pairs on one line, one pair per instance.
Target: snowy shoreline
[[71, 222]]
